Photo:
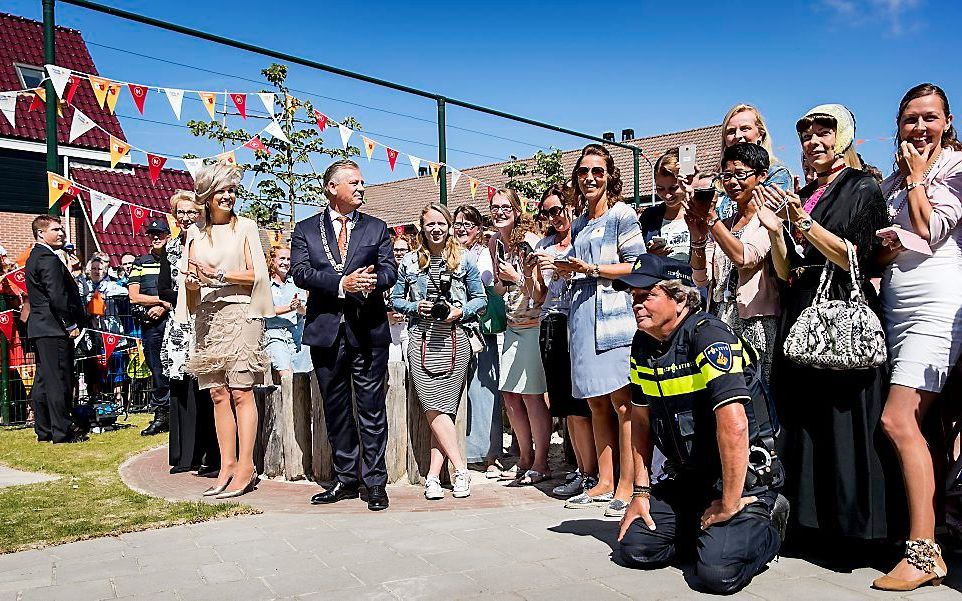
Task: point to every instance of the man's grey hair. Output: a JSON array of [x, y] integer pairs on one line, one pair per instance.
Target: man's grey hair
[[336, 166], [682, 293]]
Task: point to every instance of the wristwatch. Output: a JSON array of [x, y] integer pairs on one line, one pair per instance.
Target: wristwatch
[[711, 221], [805, 224]]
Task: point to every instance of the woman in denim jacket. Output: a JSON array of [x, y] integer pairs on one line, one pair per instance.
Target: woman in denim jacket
[[439, 290]]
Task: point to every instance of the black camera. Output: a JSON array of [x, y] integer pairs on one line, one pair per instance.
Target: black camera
[[442, 302]]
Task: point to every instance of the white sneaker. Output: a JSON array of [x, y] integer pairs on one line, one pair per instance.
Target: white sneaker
[[432, 489], [462, 484]]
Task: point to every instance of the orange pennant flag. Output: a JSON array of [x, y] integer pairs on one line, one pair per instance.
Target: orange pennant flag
[[209, 99], [435, 171], [173, 225], [227, 157], [474, 187], [118, 150], [41, 93], [859, 142], [369, 146], [113, 95], [100, 86], [57, 186]]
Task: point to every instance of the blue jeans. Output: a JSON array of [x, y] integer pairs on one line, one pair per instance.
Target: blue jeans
[[153, 338], [484, 432]]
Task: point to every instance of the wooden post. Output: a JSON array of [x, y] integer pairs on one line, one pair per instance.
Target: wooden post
[[322, 466], [396, 457]]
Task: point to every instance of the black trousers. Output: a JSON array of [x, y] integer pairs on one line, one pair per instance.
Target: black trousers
[[193, 439], [152, 335], [729, 555], [359, 445], [52, 393]]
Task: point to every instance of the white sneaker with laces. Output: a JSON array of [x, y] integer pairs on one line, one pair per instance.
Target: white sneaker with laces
[[462, 484], [432, 489]]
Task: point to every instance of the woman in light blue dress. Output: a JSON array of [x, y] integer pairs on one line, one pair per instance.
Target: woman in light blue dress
[[607, 240]]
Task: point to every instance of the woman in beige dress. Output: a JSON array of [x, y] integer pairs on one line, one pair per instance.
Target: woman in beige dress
[[227, 288]]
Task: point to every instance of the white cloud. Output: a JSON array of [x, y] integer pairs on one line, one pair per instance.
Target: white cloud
[[897, 15]]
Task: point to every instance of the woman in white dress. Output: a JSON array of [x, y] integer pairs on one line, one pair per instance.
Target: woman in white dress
[[922, 304]]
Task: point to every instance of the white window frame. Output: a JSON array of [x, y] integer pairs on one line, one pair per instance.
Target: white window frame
[[20, 66]]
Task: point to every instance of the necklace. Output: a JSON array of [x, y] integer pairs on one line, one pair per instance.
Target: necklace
[[338, 266], [835, 169], [899, 185]]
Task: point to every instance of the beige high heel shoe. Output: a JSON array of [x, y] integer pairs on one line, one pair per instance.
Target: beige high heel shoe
[[924, 554], [216, 490]]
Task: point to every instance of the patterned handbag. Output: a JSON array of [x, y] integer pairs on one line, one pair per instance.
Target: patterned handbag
[[837, 334]]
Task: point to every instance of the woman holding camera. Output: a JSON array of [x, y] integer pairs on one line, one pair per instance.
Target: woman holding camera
[[439, 290]]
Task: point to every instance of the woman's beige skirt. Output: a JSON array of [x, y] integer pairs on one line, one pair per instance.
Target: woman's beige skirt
[[228, 347]]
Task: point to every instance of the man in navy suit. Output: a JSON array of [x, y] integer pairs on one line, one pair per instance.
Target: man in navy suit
[[344, 259]]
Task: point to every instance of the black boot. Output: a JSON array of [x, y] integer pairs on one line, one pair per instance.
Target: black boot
[[160, 424]]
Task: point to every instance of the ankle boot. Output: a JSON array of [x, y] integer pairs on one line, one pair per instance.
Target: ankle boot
[[924, 554], [161, 423]]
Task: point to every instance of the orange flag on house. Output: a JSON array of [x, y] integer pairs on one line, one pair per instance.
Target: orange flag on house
[[113, 95], [474, 187], [41, 95], [209, 99], [118, 150], [174, 226], [100, 87], [369, 146], [57, 186], [435, 171]]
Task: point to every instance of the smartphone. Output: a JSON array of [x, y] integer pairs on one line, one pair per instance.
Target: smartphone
[[525, 248], [686, 159], [704, 195], [659, 241], [500, 246], [562, 261]]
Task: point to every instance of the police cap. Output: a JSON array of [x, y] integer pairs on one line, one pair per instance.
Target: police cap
[[650, 269]]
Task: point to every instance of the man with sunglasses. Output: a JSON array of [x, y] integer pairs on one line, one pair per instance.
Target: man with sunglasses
[[151, 312]]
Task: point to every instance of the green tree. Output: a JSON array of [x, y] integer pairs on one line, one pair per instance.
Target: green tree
[[286, 176], [530, 181]]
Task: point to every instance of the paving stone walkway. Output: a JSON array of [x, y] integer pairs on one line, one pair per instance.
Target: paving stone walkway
[[12, 477]]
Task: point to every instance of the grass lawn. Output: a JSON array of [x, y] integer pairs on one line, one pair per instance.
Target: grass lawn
[[89, 499]]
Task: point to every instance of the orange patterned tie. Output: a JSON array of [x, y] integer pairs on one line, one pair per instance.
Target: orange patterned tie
[[342, 237]]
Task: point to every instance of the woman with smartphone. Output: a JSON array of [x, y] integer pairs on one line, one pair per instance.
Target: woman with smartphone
[[522, 380], [841, 475], [556, 248], [732, 257], [601, 325], [921, 293], [663, 224]]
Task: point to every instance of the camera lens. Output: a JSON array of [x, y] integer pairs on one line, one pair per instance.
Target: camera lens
[[440, 310]]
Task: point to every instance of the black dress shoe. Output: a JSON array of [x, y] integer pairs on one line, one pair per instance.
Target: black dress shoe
[[377, 498], [72, 439], [180, 469], [336, 493], [208, 471]]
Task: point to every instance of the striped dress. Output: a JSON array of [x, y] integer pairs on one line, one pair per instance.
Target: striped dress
[[438, 355]]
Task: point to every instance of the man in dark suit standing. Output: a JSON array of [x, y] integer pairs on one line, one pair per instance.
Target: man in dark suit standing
[[343, 258], [56, 316]]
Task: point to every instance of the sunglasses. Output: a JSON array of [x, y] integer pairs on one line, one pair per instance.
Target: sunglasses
[[504, 210], [596, 172], [553, 211]]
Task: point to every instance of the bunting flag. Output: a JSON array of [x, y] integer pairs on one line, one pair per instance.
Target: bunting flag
[[80, 125], [455, 176], [345, 134], [154, 165], [118, 150], [474, 187], [173, 225], [27, 373], [274, 129], [209, 99], [57, 186], [275, 238], [398, 230], [267, 99], [17, 279], [59, 76], [110, 343], [74, 84], [369, 146], [415, 165], [227, 157], [391, 157], [290, 103], [321, 120], [139, 94], [99, 85], [193, 166], [435, 171], [98, 204], [113, 95], [39, 99], [112, 207], [257, 145], [138, 215], [491, 192], [6, 325], [8, 106], [176, 99], [240, 101]]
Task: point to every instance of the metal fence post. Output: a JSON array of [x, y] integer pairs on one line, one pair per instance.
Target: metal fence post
[[442, 153], [636, 155], [50, 58]]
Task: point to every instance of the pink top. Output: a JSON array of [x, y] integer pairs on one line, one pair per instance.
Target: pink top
[[757, 291]]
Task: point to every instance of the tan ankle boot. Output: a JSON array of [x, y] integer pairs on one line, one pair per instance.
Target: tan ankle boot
[[924, 554]]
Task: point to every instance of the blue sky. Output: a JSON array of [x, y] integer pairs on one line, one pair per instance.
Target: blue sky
[[651, 66]]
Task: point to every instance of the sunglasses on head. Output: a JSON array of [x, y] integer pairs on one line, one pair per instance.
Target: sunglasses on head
[[594, 171], [553, 211]]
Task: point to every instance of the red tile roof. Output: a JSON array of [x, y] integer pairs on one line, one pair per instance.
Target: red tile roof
[[399, 202], [21, 42], [133, 186]]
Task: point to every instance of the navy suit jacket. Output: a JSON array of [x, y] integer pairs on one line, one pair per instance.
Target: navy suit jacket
[[54, 297], [365, 318]]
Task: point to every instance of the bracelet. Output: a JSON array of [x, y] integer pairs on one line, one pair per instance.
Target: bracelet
[[913, 185], [641, 491], [595, 271]]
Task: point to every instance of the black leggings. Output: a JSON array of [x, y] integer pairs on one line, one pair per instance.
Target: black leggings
[[557, 368]]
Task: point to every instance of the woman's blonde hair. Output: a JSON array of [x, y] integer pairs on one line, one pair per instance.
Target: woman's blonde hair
[[765, 141], [211, 178], [523, 223], [181, 196], [451, 253]]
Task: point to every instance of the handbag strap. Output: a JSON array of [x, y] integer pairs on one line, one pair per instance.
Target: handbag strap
[[853, 271], [823, 284]]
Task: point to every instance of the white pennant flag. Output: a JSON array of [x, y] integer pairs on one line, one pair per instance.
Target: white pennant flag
[[268, 99], [80, 125], [176, 99], [415, 164], [59, 77], [193, 165], [275, 130], [113, 205], [8, 106], [345, 134], [98, 204], [455, 176]]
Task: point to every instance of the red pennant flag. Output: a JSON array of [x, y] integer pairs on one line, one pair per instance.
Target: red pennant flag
[[398, 230], [256, 144], [391, 157], [17, 280], [139, 93], [321, 120], [491, 193], [137, 217], [6, 325], [155, 164], [72, 194], [36, 103], [240, 101], [74, 82], [110, 343]]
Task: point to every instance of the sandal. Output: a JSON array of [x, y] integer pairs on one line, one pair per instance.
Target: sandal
[[509, 474], [493, 472], [531, 477]]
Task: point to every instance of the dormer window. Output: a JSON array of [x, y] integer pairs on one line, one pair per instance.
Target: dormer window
[[30, 77]]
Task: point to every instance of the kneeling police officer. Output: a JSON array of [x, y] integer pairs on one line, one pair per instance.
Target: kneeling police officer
[[698, 397]]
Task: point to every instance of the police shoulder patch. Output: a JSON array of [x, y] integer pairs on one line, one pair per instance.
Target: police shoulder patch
[[719, 355]]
